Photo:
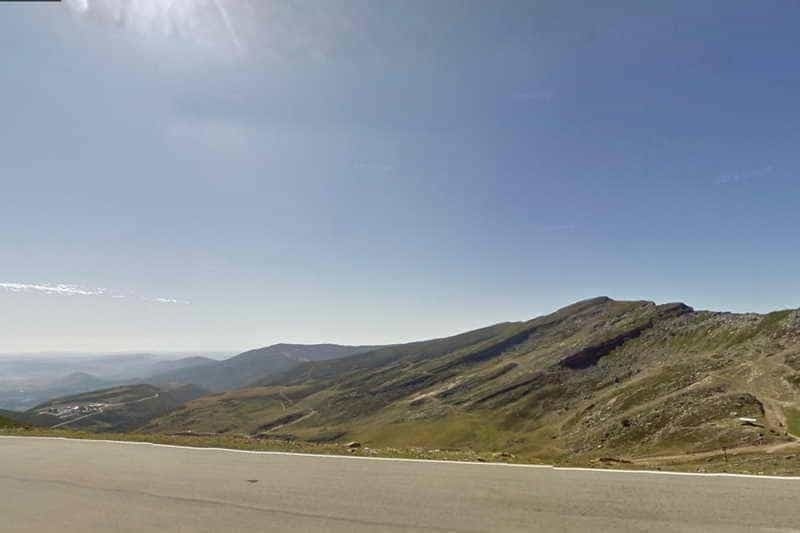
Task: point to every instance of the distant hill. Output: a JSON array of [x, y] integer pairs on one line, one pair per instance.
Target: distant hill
[[128, 406], [253, 365], [26, 381], [186, 363], [115, 409], [597, 378], [26, 394]]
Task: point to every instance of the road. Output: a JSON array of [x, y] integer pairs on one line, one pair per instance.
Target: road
[[84, 486]]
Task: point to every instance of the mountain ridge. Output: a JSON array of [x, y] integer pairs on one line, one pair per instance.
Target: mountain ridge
[[251, 365], [597, 376]]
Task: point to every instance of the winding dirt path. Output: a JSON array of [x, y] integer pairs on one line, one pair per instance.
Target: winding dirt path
[[685, 457]]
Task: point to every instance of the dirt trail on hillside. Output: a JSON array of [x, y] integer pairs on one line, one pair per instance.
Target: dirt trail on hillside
[[686, 457]]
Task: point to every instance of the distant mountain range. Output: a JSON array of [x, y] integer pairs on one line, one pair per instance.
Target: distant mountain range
[[173, 382], [253, 365], [26, 381]]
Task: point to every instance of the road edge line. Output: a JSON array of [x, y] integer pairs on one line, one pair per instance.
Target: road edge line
[[410, 460]]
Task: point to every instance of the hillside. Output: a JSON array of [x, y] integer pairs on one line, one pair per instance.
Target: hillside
[[29, 418], [116, 409], [597, 378], [252, 365], [8, 423]]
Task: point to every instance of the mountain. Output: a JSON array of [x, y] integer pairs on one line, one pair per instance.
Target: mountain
[[126, 405], [184, 363], [23, 395], [253, 365], [597, 378], [26, 381], [116, 367], [116, 409]]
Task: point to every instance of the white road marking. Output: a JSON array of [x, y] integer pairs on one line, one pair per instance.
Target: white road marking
[[402, 459]]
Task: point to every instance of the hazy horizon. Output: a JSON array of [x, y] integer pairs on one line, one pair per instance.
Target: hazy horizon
[[237, 174], [225, 353], [77, 354]]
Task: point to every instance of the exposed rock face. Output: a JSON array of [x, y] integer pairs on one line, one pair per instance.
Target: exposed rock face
[[589, 355]]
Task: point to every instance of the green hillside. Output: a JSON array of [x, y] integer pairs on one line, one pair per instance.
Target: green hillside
[[8, 423], [116, 409], [597, 378]]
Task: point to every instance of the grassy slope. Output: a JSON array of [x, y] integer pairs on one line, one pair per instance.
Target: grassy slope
[[598, 378], [130, 406], [793, 421], [8, 423]]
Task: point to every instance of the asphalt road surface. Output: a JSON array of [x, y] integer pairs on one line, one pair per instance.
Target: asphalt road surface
[[85, 486]]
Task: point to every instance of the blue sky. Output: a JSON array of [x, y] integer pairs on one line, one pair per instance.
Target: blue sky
[[365, 172]]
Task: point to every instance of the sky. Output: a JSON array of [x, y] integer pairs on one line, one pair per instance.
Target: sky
[[226, 174]]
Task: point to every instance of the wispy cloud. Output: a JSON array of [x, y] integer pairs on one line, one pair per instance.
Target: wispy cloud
[[63, 289], [166, 301], [750, 175]]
